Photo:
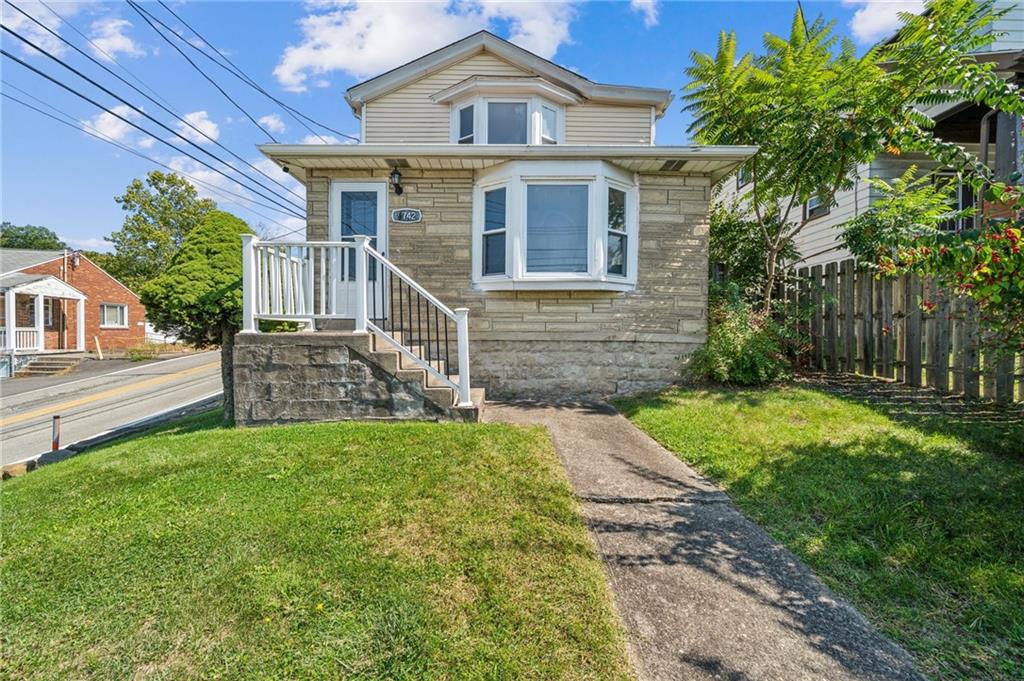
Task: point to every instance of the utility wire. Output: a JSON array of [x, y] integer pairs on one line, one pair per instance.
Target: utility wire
[[237, 72], [275, 199], [212, 82], [170, 111], [93, 132]]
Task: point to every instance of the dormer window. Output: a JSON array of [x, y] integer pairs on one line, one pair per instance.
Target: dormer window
[[512, 110]]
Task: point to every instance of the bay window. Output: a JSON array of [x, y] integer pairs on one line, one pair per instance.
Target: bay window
[[507, 120], [555, 225]]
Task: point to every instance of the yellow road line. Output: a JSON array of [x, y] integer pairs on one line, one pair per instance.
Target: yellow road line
[[113, 392]]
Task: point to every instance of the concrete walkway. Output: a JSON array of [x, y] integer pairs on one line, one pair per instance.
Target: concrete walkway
[[704, 592]]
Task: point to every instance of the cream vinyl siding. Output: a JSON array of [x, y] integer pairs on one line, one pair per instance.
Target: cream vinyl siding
[[604, 124], [408, 115]]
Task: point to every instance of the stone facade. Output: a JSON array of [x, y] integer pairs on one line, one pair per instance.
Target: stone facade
[[301, 377], [567, 343]]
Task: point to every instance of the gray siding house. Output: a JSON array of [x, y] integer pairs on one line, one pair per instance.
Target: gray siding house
[[504, 224]]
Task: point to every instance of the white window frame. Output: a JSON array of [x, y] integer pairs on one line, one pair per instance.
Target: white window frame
[[534, 118], [958, 188], [104, 325], [598, 176]]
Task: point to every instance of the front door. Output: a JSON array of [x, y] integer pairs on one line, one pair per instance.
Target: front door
[[359, 208]]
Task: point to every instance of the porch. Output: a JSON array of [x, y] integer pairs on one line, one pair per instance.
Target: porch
[[387, 347], [33, 322]]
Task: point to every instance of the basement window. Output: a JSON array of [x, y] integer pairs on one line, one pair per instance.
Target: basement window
[[555, 225]]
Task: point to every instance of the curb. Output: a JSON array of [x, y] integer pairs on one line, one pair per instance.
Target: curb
[[13, 470]]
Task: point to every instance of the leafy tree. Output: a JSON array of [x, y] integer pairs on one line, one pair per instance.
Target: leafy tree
[[817, 111], [905, 209], [198, 297], [161, 212], [29, 236], [732, 247]]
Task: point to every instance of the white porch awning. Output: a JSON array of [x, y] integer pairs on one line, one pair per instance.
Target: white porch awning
[[20, 283]]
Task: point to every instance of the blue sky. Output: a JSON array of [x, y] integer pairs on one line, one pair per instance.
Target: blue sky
[[307, 54]]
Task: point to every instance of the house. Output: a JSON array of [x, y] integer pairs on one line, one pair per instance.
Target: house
[[503, 219], [965, 123], [62, 302]]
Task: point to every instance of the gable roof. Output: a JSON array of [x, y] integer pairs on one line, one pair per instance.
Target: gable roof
[[14, 259], [485, 41]]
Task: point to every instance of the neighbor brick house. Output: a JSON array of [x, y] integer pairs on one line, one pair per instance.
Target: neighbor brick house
[[70, 299], [502, 217]]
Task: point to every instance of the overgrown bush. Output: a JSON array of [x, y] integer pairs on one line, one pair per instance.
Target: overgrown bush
[[744, 346]]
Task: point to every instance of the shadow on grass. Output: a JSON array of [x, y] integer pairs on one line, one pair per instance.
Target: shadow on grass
[[984, 426]]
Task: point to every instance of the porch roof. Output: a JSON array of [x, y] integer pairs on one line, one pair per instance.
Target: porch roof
[[714, 161], [35, 284]]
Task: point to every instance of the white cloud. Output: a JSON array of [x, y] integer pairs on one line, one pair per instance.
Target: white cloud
[[29, 30], [200, 121], [364, 38], [92, 244], [109, 39], [319, 139], [649, 8], [877, 19], [273, 123], [146, 142], [196, 171], [112, 127]]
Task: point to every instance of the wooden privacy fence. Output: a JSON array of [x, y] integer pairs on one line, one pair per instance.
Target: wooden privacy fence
[[877, 327]]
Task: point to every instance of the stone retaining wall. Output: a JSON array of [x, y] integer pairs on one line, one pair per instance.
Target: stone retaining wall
[[301, 377]]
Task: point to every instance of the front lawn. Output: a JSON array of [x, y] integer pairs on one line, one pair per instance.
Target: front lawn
[[369, 551], [919, 521]]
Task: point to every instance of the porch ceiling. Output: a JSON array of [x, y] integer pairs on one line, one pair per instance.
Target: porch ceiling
[[36, 284], [714, 161]]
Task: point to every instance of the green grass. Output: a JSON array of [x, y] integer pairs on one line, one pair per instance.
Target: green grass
[[363, 551], [920, 526]]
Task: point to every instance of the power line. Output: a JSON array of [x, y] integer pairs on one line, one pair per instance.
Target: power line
[[212, 82], [165, 108], [91, 131], [273, 199], [237, 72]]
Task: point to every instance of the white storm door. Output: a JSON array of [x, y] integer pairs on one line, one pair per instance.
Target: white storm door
[[358, 208]]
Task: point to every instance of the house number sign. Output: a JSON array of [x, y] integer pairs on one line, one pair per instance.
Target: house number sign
[[406, 215]]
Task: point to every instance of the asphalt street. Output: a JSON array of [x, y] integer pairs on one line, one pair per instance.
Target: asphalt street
[[96, 403]]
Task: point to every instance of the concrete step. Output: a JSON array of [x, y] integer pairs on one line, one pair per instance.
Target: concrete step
[[49, 366]]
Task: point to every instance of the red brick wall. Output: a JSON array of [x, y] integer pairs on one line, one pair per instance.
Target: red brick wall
[[100, 288]]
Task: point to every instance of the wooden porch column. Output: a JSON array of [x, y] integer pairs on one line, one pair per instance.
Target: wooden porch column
[[10, 319], [40, 326], [80, 325]]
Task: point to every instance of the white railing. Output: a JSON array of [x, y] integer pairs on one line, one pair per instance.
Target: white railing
[[307, 281], [24, 339]]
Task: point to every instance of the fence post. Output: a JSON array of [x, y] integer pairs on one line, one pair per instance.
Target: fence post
[[462, 338], [831, 317], [361, 276], [249, 283], [864, 287], [912, 332], [847, 306], [816, 319], [970, 354]]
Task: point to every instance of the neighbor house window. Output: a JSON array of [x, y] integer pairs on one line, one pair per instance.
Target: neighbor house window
[[495, 224], [743, 177], [555, 225], [815, 208], [113, 316], [466, 125], [963, 199], [617, 237]]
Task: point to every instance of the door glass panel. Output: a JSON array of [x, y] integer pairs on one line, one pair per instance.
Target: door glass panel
[[556, 228], [358, 217], [506, 123]]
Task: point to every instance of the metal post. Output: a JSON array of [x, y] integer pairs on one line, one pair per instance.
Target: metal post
[[361, 276], [249, 283], [40, 328], [55, 434], [462, 339]]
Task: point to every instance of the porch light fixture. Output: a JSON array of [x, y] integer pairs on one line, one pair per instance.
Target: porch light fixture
[[396, 181]]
